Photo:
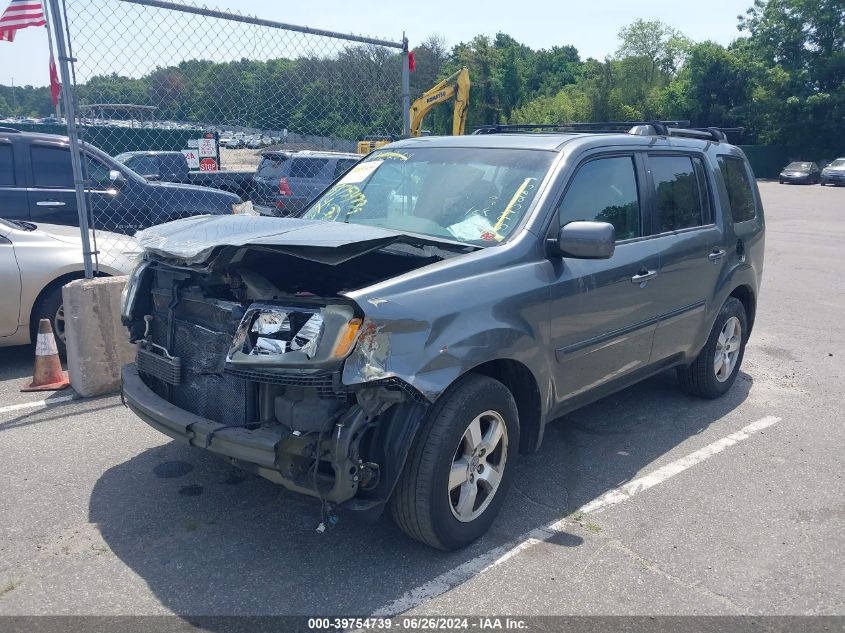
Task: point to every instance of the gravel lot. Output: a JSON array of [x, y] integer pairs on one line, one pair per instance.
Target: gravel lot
[[103, 515]]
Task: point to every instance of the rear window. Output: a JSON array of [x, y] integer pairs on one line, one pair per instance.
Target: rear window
[[7, 165], [51, 166], [738, 184], [343, 166], [307, 167], [271, 165]]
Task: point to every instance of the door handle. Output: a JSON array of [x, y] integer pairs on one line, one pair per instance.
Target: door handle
[[643, 276], [716, 255], [49, 203]]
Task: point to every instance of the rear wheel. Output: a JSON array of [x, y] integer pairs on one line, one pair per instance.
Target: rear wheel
[[460, 467], [714, 370]]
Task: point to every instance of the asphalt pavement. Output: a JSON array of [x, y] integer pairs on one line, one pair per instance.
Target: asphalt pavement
[[647, 502]]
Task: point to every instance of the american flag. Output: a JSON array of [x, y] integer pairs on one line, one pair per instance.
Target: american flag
[[19, 15]]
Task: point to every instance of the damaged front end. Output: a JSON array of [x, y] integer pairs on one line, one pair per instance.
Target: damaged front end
[[243, 354]]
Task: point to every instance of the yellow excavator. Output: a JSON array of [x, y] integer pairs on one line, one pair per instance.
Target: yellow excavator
[[455, 86]]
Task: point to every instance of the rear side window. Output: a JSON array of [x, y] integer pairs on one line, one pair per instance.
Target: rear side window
[[678, 195], [307, 167], [605, 190], [343, 166], [7, 165], [51, 167], [271, 166], [738, 184]]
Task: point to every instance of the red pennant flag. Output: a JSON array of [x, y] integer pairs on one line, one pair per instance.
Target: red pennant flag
[[412, 63], [55, 86]]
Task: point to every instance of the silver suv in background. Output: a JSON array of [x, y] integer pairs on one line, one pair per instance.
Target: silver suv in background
[[834, 174], [286, 182]]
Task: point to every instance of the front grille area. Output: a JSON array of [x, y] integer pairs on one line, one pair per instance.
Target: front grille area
[[201, 337], [327, 384]]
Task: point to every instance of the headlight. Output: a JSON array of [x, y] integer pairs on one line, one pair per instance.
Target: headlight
[[295, 336], [130, 291]]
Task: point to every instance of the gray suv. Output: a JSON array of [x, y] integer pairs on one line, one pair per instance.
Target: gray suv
[[406, 338], [285, 182]]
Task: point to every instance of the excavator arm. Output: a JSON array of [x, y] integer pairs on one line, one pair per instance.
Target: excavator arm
[[456, 86]]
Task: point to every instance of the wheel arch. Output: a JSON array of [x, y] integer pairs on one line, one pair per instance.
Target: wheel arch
[[525, 390], [49, 287], [746, 296]]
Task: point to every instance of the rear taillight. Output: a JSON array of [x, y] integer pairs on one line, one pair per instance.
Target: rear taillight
[[284, 187]]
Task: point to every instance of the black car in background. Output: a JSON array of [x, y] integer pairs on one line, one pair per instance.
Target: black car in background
[[286, 182], [168, 166], [801, 172], [36, 184]]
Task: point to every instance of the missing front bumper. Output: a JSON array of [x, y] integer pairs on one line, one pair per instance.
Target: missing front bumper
[[271, 451]]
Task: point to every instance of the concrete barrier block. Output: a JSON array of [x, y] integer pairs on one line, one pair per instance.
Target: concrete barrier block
[[97, 344]]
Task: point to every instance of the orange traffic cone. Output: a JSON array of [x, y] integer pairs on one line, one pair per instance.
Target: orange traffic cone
[[48, 374]]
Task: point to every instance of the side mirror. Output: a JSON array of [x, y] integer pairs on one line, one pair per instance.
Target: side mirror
[[117, 179], [584, 240]]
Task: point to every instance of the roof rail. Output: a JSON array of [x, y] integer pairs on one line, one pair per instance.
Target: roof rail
[[640, 128], [13, 130], [703, 133], [577, 126]]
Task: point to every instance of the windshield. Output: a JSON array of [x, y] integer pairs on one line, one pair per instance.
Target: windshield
[[465, 194], [839, 162], [799, 166]]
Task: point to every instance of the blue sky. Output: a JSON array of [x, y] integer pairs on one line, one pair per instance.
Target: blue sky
[[538, 23]]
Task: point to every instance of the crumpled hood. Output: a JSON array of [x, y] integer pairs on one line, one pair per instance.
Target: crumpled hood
[[192, 240]]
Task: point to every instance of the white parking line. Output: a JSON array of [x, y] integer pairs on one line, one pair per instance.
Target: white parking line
[[37, 404], [464, 572]]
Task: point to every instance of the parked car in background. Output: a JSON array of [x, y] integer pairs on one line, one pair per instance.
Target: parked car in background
[[36, 184], [166, 166], [36, 260], [285, 182], [403, 340], [232, 142], [834, 173], [800, 172]]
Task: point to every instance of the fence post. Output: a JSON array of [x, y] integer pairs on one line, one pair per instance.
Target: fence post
[[73, 135], [406, 90]]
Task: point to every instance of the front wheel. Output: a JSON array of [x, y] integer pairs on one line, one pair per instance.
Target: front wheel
[[714, 370], [460, 466]]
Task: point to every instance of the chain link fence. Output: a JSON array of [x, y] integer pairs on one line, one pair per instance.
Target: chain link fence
[[261, 115]]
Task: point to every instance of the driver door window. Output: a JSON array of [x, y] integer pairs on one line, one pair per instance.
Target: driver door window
[[605, 190]]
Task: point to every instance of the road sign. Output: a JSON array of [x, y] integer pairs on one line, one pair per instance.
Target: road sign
[[208, 164], [193, 143], [193, 158], [207, 147]]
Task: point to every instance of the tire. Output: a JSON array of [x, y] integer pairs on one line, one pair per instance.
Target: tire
[[823, 182], [780, 181], [426, 503], [49, 306], [704, 378]]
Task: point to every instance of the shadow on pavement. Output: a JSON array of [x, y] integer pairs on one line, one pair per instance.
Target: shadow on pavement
[[211, 540], [16, 362]]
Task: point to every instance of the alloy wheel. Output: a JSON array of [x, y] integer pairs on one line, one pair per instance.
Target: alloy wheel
[[727, 349], [477, 466]]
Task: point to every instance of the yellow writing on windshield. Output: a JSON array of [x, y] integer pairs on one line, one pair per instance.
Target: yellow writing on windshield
[[514, 204]]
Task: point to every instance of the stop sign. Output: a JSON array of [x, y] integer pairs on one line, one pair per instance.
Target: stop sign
[[208, 164]]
